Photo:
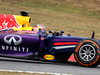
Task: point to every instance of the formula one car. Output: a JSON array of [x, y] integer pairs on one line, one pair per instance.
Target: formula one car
[[19, 42]]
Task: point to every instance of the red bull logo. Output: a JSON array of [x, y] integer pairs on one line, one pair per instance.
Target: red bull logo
[[7, 22]]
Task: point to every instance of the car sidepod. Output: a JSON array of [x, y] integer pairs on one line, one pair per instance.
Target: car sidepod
[[61, 47], [19, 44]]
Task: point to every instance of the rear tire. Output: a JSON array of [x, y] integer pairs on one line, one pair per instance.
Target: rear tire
[[87, 53]]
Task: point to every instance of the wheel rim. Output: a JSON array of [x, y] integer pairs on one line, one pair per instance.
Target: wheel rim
[[87, 52]]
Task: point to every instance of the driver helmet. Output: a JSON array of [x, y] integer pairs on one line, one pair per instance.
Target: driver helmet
[[39, 26]]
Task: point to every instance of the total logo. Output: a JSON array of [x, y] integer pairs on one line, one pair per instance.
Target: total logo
[[49, 57], [15, 39]]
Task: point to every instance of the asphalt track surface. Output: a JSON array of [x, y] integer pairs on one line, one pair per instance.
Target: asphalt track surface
[[40, 66]]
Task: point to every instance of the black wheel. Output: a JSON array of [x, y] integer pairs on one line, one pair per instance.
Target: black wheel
[[87, 53]]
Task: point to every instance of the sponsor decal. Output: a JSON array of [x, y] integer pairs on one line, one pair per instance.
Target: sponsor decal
[[16, 39], [7, 22], [14, 48], [13, 41], [49, 57]]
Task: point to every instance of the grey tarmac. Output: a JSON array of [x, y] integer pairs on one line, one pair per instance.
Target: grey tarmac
[[41, 66]]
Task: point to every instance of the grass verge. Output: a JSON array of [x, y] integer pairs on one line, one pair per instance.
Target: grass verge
[[20, 73], [78, 17]]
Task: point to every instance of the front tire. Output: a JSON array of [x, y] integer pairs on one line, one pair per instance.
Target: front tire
[[87, 53]]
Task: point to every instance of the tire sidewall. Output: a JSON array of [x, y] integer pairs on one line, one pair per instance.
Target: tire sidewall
[[94, 44]]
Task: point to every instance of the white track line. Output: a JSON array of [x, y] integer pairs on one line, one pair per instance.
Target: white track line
[[36, 72]]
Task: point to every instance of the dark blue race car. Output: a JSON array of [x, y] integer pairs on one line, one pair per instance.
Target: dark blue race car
[[51, 47]]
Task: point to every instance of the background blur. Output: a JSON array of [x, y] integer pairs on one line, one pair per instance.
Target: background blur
[[77, 17]]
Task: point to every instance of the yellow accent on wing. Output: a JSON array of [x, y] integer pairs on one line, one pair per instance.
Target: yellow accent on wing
[[24, 21]]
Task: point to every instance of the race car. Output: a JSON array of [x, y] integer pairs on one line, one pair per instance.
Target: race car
[[52, 46]]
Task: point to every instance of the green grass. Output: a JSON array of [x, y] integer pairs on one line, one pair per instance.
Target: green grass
[[77, 17], [20, 73], [75, 7]]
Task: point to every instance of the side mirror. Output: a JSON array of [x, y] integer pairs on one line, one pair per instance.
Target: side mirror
[[50, 31], [93, 34], [62, 31]]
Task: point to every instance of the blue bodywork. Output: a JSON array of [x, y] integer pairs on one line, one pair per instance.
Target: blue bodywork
[[58, 39], [37, 45]]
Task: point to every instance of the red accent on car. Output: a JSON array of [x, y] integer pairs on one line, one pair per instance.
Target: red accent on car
[[72, 59], [64, 43], [42, 38], [7, 22]]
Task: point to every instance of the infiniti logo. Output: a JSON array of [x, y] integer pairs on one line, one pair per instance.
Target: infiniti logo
[[16, 39]]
